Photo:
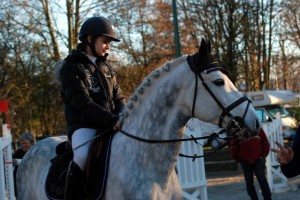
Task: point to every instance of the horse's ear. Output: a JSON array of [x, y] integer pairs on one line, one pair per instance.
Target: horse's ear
[[202, 47], [205, 48], [202, 58], [208, 47]]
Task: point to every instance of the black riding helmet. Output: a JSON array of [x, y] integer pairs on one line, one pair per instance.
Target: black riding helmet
[[97, 26]]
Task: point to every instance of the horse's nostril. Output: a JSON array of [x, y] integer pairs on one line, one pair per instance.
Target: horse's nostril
[[257, 125], [233, 123]]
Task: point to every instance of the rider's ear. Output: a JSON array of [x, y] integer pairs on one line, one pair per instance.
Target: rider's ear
[[89, 38]]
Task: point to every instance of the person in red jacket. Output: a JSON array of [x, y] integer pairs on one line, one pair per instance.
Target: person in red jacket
[[251, 153]]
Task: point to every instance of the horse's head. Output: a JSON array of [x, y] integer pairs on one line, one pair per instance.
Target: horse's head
[[236, 113]]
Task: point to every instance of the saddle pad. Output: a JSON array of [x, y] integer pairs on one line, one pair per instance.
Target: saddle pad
[[56, 178]]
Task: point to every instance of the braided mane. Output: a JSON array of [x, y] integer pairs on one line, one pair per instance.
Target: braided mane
[[146, 83]]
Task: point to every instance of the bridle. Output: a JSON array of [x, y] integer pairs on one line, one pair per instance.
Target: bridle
[[235, 125]]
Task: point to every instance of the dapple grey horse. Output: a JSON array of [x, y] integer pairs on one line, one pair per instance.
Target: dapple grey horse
[[140, 169]]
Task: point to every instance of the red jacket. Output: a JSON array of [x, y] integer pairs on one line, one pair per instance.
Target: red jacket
[[251, 149]]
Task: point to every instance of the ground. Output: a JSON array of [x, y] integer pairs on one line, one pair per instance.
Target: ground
[[231, 186]]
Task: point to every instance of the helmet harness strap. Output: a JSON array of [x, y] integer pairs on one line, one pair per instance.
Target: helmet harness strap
[[92, 45]]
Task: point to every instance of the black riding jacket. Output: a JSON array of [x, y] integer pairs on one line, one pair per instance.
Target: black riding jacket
[[91, 99]]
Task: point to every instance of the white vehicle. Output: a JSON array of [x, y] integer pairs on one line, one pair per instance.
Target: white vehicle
[[268, 103], [199, 128]]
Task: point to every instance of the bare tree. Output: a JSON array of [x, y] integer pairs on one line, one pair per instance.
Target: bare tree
[[286, 55], [291, 20], [249, 39], [32, 35]]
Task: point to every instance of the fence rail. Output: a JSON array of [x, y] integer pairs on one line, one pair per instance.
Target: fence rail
[[6, 169]]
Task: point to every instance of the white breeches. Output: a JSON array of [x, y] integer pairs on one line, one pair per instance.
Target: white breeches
[[79, 137]]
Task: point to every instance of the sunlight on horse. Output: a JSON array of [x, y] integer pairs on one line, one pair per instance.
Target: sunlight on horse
[[158, 110]]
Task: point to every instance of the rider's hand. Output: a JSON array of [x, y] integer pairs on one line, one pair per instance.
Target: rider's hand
[[16, 161], [117, 126], [284, 155]]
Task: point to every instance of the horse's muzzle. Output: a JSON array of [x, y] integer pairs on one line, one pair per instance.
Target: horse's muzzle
[[236, 128]]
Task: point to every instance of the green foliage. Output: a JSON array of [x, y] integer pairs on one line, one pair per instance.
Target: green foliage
[[295, 111]]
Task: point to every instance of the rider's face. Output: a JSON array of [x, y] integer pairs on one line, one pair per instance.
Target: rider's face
[[102, 45]]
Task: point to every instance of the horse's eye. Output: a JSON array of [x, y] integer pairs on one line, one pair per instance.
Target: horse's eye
[[219, 81]]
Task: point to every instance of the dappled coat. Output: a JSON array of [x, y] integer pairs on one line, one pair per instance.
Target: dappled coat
[[251, 149]]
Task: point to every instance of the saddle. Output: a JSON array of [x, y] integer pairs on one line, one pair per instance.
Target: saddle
[[97, 168]]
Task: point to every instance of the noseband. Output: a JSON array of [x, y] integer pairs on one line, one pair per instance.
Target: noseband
[[236, 123]]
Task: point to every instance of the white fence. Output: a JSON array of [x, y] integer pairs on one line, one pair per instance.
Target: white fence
[[6, 169], [276, 179], [192, 174]]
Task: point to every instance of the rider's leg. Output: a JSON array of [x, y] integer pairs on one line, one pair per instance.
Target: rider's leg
[[75, 183], [76, 178]]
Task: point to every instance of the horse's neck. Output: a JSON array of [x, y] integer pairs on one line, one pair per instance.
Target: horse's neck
[[159, 126], [158, 110], [157, 115], [163, 156]]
